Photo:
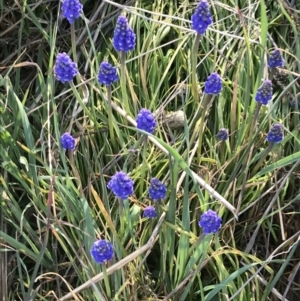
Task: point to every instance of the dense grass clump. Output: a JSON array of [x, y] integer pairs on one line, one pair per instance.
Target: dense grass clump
[[149, 150]]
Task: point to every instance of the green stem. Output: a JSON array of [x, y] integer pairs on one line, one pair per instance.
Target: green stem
[[272, 72], [222, 152], [129, 222], [73, 43], [251, 131], [262, 159], [110, 118], [194, 64], [106, 282], [144, 164], [158, 208], [123, 82], [252, 128], [200, 125], [122, 222]]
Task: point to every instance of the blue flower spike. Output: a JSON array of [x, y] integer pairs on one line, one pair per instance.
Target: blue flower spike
[[121, 185], [210, 222], [150, 212], [223, 134], [275, 134], [157, 190], [275, 59], [67, 141], [102, 251], [201, 18], [65, 69], [107, 74], [146, 121], [71, 10], [264, 93], [124, 38], [213, 84]]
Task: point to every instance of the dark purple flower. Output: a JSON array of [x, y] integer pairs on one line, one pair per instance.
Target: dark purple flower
[[65, 69], [124, 37], [121, 185], [275, 134], [210, 222], [71, 10], [107, 74], [157, 190], [295, 103], [146, 121], [102, 251], [67, 141], [213, 84], [264, 93], [150, 212], [275, 59], [202, 18], [223, 134]]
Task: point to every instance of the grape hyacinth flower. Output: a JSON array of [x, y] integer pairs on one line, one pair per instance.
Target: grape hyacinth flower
[[124, 37], [210, 222], [157, 190], [71, 10], [275, 134], [124, 40], [295, 103], [275, 59], [107, 74], [223, 134], [121, 185], [67, 141], [65, 69], [264, 93], [150, 212], [146, 121], [202, 18], [213, 84], [102, 251]]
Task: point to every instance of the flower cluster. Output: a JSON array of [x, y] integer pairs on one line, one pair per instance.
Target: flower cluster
[[71, 10], [107, 74], [124, 40], [210, 222], [264, 93], [223, 134], [65, 69], [150, 212], [275, 134], [213, 84], [146, 121], [275, 59], [124, 37], [121, 185], [102, 251], [67, 141], [157, 190], [201, 18]]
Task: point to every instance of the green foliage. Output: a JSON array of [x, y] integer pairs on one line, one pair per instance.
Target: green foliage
[[55, 203]]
